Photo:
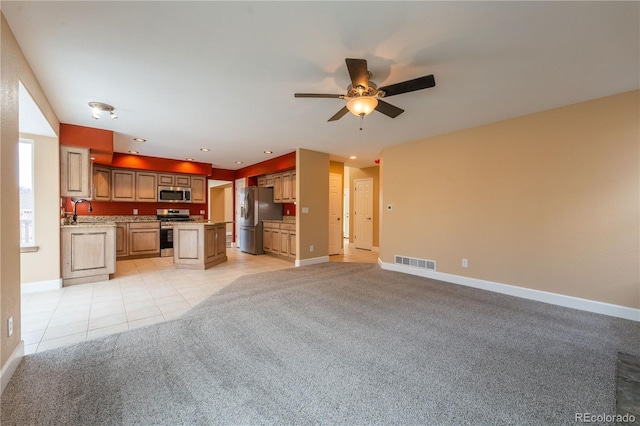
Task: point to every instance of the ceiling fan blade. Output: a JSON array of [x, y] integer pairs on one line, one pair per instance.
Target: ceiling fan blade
[[317, 95], [409, 86], [338, 115], [388, 109], [358, 72]]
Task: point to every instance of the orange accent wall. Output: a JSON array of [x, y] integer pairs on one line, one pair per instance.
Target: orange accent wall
[[142, 162], [100, 141], [118, 208], [284, 162]]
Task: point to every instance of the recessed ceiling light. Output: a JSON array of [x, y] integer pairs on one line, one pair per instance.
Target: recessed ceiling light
[[139, 140], [353, 157], [238, 162], [189, 159], [268, 152], [205, 149], [133, 152]]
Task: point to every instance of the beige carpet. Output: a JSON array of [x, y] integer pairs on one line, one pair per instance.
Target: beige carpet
[[336, 343]]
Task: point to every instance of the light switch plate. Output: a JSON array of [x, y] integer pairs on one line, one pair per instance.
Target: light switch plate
[[305, 210]]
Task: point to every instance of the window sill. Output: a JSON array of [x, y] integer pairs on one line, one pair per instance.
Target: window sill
[[29, 249]]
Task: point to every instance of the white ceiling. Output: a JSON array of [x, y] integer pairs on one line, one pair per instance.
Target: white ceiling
[[222, 75]]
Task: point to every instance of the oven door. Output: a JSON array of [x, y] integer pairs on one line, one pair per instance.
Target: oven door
[[166, 242]]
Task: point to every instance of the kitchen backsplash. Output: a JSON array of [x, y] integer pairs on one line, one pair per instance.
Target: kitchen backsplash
[[127, 218]]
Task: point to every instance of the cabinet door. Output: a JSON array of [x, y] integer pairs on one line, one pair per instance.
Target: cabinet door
[[268, 181], [182, 180], [198, 189], [166, 179], [123, 185], [266, 239], [122, 239], [277, 188], [284, 243], [275, 241], [144, 238], [286, 187], [292, 244], [262, 182], [75, 172], [293, 187], [101, 183], [221, 241], [146, 187]]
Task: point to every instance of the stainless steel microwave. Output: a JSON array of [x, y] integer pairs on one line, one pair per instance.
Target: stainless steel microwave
[[174, 194]]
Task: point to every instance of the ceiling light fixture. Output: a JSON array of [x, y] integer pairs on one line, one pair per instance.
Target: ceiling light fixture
[[268, 152], [133, 152], [189, 159], [139, 140], [353, 157], [98, 107], [205, 149], [362, 105], [238, 162]]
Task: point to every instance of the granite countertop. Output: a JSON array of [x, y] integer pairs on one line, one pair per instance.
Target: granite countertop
[[88, 225]]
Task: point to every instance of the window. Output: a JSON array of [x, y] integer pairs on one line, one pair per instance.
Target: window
[[25, 156]]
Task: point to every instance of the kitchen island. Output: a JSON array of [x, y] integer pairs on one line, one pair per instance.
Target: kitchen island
[[199, 245]]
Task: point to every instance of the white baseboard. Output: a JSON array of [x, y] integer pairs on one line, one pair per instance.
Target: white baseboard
[[525, 293], [10, 366], [41, 286], [312, 261]]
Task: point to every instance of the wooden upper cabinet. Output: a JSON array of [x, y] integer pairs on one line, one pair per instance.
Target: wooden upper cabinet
[[166, 179], [198, 189], [183, 180], [146, 187], [293, 186], [123, 185], [75, 172], [277, 188], [101, 183]]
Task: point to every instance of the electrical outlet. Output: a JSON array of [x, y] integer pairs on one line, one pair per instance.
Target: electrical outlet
[[10, 326], [310, 248], [135, 211], [465, 263], [305, 210], [201, 211]]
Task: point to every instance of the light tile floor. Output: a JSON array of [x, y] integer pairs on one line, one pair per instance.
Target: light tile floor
[[142, 292]]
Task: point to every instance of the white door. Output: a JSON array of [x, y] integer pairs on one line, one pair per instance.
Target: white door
[[240, 183], [363, 213], [345, 216], [335, 213]]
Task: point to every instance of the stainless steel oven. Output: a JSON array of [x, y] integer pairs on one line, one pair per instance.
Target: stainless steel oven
[[167, 218]]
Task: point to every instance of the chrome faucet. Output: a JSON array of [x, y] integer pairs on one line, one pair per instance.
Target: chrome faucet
[[75, 204]]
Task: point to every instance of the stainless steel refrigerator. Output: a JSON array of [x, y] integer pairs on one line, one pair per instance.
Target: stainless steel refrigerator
[[257, 205]]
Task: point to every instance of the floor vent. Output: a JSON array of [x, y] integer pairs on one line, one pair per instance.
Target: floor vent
[[416, 263]]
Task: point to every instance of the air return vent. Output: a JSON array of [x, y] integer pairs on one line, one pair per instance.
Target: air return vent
[[416, 263]]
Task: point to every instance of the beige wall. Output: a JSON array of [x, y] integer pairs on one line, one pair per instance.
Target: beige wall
[[312, 187], [44, 265], [367, 172], [547, 201], [13, 68]]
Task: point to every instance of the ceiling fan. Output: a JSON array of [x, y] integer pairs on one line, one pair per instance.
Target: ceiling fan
[[364, 96]]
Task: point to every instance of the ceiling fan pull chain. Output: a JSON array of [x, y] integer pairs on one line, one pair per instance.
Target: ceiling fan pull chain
[[361, 120]]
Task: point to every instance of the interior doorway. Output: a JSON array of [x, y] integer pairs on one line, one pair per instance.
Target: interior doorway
[[363, 213], [335, 213]]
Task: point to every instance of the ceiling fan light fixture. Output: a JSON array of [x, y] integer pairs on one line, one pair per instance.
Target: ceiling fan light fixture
[[362, 105]]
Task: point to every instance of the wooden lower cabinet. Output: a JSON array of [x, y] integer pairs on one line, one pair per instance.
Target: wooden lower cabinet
[[279, 238], [136, 240], [88, 253], [199, 245]]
